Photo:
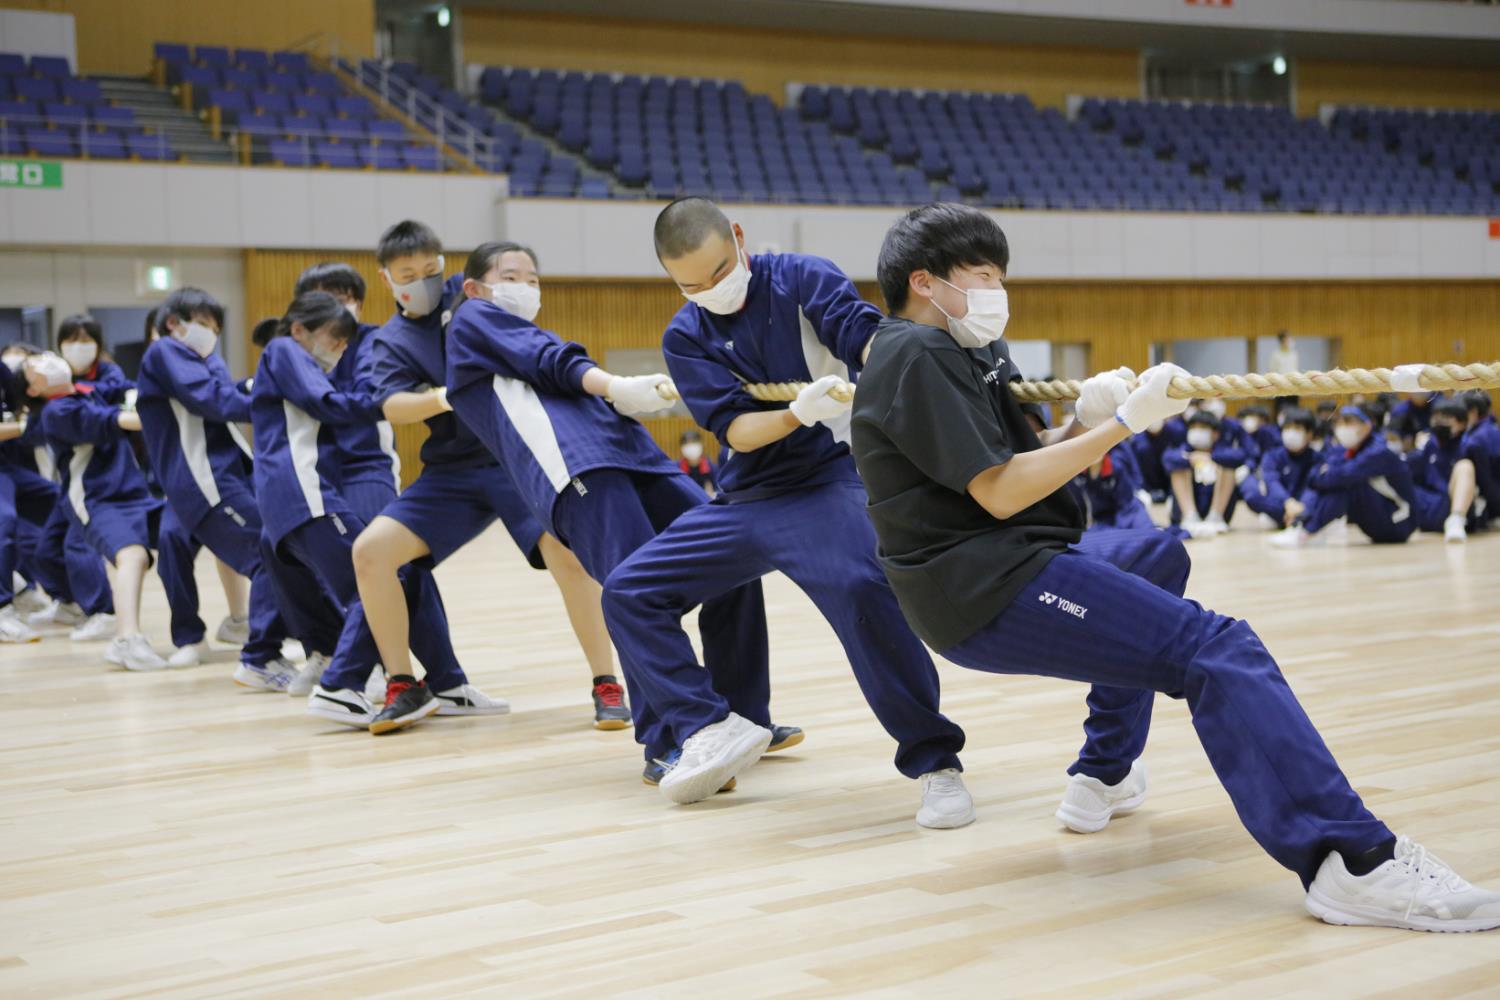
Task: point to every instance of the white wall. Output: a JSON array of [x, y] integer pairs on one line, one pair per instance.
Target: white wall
[[613, 239], [71, 281], [133, 204], [32, 33]]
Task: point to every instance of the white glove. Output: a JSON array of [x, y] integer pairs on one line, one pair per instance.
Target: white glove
[[1102, 395], [633, 394], [813, 404], [1149, 402], [442, 397]]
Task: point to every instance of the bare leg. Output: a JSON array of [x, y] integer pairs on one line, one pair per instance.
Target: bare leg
[[379, 553], [130, 570], [1223, 491], [236, 589], [581, 597], [1461, 487], [1182, 489]]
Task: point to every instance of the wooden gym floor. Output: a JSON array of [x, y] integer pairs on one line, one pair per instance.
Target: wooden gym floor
[[172, 836]]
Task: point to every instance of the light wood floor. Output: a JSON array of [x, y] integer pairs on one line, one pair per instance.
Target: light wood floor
[[171, 836]]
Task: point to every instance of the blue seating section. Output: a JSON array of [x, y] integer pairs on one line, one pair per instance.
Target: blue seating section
[[46, 111], [294, 115]]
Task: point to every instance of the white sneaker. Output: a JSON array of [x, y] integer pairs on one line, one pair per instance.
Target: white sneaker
[[307, 678], [1455, 529], [1414, 891], [1216, 523], [233, 631], [713, 755], [186, 656], [134, 652], [272, 676], [348, 708], [57, 615], [375, 686], [1088, 803], [1291, 538], [97, 627], [13, 628], [1268, 522], [466, 699], [1198, 529], [946, 803], [30, 601]]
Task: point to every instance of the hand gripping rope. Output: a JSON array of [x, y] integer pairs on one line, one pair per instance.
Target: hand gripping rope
[[1338, 382]]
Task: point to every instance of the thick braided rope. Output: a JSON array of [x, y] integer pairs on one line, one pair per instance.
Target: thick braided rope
[[1337, 382]]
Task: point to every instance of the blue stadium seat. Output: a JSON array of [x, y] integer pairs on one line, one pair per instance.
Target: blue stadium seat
[[151, 147], [421, 157], [114, 117], [171, 53], [345, 128], [212, 55], [337, 154], [32, 89], [294, 62], [46, 142], [385, 129], [289, 152], [104, 146], [256, 59], [54, 67], [380, 157], [82, 91]]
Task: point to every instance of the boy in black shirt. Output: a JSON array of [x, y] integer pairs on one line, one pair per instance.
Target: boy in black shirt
[[982, 546]]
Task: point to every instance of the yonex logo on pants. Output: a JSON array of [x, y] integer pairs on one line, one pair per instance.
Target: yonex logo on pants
[[1063, 604]]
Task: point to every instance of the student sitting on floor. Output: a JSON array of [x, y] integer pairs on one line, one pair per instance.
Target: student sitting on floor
[[1360, 478], [1203, 470], [1275, 490]]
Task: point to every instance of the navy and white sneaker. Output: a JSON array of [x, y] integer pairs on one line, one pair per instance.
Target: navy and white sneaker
[[657, 769], [784, 737], [347, 708], [272, 676]]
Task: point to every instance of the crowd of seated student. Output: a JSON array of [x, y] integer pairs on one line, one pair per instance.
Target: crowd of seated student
[[1388, 465]]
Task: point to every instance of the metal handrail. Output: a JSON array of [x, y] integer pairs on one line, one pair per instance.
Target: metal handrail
[[450, 130], [11, 126]]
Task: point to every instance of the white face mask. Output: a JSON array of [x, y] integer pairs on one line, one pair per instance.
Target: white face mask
[[1348, 435], [1294, 439], [199, 337], [13, 361], [1251, 424], [353, 308], [984, 323], [420, 297], [80, 354], [1214, 406], [54, 369], [728, 296], [1200, 438], [517, 298], [692, 451]]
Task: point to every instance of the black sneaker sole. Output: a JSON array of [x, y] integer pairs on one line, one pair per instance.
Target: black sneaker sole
[[381, 726]]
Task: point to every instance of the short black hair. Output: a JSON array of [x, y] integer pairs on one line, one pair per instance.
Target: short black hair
[[484, 255], [152, 333], [82, 323], [689, 435], [1454, 408], [1477, 399], [332, 276], [184, 303], [1205, 418], [406, 238], [313, 310], [1297, 416], [685, 224], [937, 238], [1254, 410]]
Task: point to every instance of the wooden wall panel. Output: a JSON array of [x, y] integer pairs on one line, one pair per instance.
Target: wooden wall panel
[[767, 60], [1321, 82], [116, 36]]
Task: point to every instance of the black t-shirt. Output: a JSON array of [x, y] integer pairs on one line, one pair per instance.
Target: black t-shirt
[[929, 417]]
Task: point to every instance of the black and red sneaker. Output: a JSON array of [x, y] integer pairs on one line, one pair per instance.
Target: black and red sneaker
[[407, 700], [610, 710]]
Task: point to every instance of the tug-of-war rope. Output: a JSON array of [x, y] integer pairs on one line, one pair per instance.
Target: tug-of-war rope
[[1338, 382]]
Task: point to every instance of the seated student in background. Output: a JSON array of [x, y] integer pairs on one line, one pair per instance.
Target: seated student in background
[[461, 489], [1203, 471], [696, 465], [1110, 489], [189, 408], [1482, 448], [564, 430], [1360, 478], [1261, 430], [1442, 478], [309, 524], [106, 492], [13, 627], [1148, 447], [1275, 490], [1411, 416]]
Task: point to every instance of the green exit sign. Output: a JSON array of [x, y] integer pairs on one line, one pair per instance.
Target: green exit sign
[[30, 174]]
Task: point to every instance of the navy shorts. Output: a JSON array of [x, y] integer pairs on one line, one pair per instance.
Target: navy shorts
[[448, 508], [117, 524]]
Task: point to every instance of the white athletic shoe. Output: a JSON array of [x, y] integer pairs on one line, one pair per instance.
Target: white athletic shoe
[[348, 708], [233, 631], [1414, 891], [1198, 529], [375, 686], [134, 652], [30, 601], [307, 678], [57, 615], [1217, 523], [713, 755], [13, 628], [97, 627], [1455, 529], [1088, 803], [466, 699], [1292, 538], [186, 656], [946, 803], [273, 676]]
